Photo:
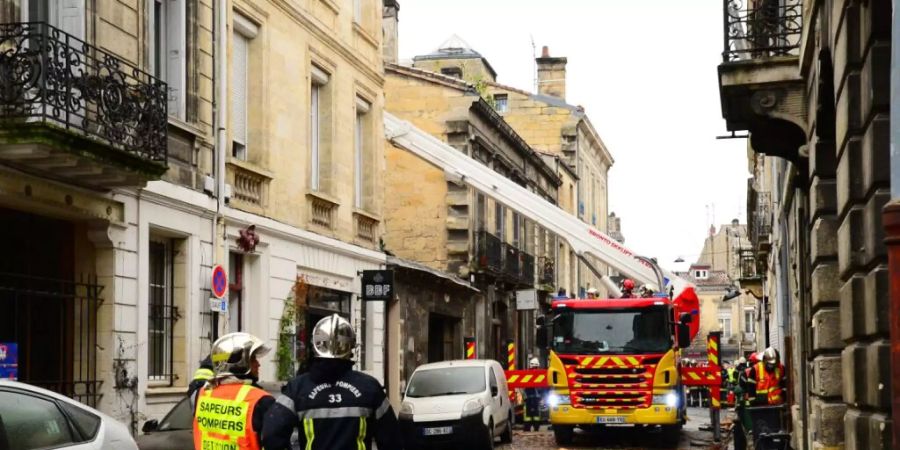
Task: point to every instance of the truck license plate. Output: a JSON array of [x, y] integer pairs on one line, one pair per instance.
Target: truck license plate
[[611, 419], [438, 431]]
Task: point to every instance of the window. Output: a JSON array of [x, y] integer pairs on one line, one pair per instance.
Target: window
[[455, 72], [33, 422], [159, 327], [493, 381], [749, 321], [236, 292], [357, 11], [168, 50], [362, 179], [501, 103], [318, 129], [239, 57], [480, 211], [499, 221], [517, 231], [725, 325]]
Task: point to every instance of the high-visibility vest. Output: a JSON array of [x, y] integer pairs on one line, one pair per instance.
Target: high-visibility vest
[[224, 418], [732, 375], [768, 385], [203, 374]]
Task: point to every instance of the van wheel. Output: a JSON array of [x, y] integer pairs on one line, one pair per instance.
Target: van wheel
[[506, 437], [489, 445], [563, 435]]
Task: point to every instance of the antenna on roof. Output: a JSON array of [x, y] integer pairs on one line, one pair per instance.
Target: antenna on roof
[[534, 64]]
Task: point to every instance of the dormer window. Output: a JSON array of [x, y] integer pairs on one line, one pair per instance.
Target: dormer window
[[454, 72], [701, 274]]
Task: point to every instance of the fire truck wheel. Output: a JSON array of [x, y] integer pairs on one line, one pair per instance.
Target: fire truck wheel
[[563, 435], [671, 434], [507, 436]]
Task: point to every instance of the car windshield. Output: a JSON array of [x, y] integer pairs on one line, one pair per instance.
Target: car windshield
[[446, 381], [181, 417], [633, 331]]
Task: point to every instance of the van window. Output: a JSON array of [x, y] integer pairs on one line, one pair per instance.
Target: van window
[[494, 379], [447, 381]]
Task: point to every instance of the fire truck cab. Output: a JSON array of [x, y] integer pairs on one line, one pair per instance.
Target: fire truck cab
[[616, 362]]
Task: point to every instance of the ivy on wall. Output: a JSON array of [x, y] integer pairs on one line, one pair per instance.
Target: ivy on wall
[[292, 348]]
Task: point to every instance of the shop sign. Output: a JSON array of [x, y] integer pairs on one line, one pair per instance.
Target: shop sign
[[526, 299], [377, 285]]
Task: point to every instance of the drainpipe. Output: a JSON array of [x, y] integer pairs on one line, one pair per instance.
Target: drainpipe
[[891, 221], [221, 112]]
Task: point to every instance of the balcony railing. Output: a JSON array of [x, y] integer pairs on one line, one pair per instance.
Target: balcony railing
[[50, 77], [760, 212], [527, 269], [761, 28], [490, 252], [511, 262], [546, 271]]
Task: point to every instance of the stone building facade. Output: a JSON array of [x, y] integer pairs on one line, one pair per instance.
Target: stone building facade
[[814, 97], [446, 225], [128, 201]]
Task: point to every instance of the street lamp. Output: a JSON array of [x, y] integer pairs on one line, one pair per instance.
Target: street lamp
[[679, 260]]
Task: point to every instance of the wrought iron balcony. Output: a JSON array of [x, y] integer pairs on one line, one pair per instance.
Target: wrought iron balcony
[[511, 261], [74, 112], [527, 276], [762, 28], [547, 272], [489, 252]]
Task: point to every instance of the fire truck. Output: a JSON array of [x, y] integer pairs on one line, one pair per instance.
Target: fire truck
[[613, 362]]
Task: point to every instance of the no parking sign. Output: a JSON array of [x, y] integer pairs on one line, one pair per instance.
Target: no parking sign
[[219, 282]]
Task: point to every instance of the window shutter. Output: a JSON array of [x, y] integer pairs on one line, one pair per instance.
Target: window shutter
[[239, 58], [175, 69], [70, 17]]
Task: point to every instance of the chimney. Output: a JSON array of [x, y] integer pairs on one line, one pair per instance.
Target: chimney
[[391, 16], [551, 75]]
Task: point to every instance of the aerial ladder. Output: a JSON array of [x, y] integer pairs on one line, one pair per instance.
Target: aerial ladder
[[587, 242]]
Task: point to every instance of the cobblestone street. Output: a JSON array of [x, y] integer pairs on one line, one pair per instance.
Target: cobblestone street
[[691, 438]]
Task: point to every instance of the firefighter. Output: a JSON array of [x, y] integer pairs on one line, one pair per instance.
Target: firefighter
[[203, 374], [334, 406], [648, 291], [532, 413], [592, 293], [743, 423], [230, 410], [767, 378], [627, 288]]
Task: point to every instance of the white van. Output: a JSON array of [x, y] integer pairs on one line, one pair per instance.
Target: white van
[[456, 404]]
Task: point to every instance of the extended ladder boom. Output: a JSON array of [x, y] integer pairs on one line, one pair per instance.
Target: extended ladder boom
[[583, 238]]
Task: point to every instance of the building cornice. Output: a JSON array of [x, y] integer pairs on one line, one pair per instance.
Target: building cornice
[[319, 31]]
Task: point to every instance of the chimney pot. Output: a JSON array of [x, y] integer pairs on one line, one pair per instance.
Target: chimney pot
[[545, 52]]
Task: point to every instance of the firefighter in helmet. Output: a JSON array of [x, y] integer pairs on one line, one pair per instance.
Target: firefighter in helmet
[[627, 288], [334, 406], [229, 408], [532, 412], [767, 376]]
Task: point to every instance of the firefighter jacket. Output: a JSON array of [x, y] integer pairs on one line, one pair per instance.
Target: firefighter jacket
[[768, 386], [229, 417], [201, 376], [334, 408]]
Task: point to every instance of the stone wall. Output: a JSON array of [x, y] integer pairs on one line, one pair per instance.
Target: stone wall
[[860, 35]]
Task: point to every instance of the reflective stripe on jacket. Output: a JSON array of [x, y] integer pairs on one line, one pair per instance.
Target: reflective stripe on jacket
[[223, 418], [768, 385], [203, 374]]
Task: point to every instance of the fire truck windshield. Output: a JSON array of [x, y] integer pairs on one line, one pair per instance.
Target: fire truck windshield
[[617, 331]]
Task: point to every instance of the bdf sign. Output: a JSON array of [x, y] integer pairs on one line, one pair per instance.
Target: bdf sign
[[377, 285]]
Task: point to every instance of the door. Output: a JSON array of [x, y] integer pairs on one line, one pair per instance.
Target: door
[[498, 410]]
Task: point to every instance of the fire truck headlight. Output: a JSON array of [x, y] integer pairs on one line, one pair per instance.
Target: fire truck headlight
[[670, 399], [558, 399]]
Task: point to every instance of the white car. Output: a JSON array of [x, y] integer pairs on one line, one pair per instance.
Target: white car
[[456, 404], [35, 418]]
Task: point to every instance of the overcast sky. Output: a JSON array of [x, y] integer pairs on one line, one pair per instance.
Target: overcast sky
[[645, 71]]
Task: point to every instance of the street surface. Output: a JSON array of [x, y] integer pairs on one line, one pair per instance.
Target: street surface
[[691, 438]]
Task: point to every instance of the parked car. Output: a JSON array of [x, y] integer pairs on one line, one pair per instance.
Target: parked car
[[456, 404], [35, 418], [174, 432]]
